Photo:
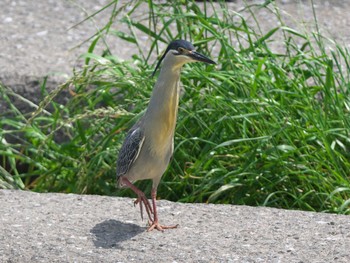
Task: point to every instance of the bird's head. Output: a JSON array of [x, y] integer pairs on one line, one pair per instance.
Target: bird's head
[[182, 52]]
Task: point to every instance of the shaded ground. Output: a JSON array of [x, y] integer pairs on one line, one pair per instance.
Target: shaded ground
[[73, 228]]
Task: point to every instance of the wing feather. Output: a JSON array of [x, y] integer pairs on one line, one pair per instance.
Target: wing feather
[[130, 150]]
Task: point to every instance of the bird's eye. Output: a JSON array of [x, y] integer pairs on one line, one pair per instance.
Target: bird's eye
[[181, 49]]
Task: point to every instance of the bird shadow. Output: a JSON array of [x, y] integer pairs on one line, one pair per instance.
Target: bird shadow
[[110, 233]]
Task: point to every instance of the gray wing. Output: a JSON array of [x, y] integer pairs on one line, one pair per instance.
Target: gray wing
[[130, 150]]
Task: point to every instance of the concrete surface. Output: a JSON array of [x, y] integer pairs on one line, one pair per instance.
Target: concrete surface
[[80, 228], [37, 38], [42, 38], [36, 227]]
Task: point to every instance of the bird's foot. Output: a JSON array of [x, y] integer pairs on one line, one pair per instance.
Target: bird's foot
[[159, 227], [142, 200]]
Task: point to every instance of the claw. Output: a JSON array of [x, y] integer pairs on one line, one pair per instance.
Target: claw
[[154, 224], [159, 227], [142, 200]]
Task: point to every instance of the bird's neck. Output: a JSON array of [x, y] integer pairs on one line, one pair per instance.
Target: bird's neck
[[161, 113], [165, 97]]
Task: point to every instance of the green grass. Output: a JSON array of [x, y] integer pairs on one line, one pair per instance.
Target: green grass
[[262, 128]]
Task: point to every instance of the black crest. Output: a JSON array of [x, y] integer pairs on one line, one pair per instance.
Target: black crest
[[174, 45], [179, 43]]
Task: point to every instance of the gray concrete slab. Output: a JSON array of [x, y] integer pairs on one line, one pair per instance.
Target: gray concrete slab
[[37, 38], [81, 228]]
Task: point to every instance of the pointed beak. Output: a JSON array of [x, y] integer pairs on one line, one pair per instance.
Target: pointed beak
[[199, 57]]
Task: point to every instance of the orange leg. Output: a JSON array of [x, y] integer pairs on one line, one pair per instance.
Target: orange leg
[[141, 198], [155, 224]]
